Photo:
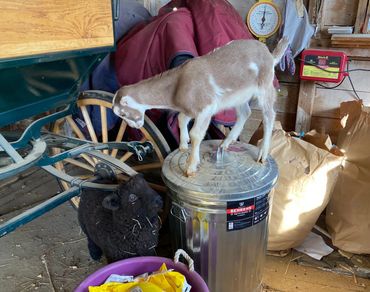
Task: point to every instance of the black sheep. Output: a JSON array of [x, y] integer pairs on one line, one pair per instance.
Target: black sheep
[[121, 224]]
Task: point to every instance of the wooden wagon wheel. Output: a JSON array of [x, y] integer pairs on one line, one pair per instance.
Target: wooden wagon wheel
[[83, 166]]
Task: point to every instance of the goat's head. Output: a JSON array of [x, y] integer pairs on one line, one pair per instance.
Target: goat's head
[[126, 107]]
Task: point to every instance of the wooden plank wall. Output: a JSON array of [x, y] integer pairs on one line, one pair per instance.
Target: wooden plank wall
[[325, 13]]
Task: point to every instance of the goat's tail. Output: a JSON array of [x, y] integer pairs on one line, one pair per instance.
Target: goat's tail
[[280, 49]]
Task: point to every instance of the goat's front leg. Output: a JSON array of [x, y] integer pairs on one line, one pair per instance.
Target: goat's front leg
[[267, 104], [197, 134], [243, 112], [184, 133]]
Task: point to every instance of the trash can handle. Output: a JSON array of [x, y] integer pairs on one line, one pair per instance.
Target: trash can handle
[[186, 256]]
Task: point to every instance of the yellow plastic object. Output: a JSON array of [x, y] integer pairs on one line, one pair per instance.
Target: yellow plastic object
[[161, 281], [169, 281], [125, 287]]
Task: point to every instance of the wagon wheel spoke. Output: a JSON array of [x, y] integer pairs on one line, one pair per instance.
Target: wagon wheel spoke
[[89, 124], [80, 135], [155, 146], [104, 126], [75, 128], [88, 159], [83, 166], [147, 166], [119, 137], [79, 164], [157, 187], [59, 166]]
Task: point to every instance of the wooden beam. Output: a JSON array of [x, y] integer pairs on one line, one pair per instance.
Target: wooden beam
[[365, 27], [361, 14], [306, 99], [312, 10]]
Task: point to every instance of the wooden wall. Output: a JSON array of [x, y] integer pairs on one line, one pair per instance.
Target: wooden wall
[[326, 103]]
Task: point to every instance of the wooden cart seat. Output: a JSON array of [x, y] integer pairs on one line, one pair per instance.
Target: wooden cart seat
[[39, 27]]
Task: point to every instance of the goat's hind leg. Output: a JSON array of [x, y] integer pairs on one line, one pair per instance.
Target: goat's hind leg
[[184, 133], [267, 105], [197, 134], [243, 112]]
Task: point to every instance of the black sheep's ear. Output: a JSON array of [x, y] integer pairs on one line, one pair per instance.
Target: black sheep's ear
[[111, 202], [138, 177], [136, 182]]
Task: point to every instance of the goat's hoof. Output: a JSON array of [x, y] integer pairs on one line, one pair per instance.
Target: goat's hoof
[[261, 158], [190, 171], [224, 146], [226, 143], [183, 148]]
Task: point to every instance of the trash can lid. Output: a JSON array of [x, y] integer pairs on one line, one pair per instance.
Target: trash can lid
[[232, 176]]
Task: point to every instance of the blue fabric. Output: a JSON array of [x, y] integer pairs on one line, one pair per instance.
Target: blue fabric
[[287, 62], [299, 31]]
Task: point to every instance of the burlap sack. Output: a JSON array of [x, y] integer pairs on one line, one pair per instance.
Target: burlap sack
[[307, 175], [348, 213]]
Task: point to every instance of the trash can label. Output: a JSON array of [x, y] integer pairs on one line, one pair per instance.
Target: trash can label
[[246, 213]]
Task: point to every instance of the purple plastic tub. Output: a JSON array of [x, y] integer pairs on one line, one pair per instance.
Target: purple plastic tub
[[140, 265]]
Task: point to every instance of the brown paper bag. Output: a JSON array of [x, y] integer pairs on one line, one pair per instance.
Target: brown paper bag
[[348, 213], [322, 141], [307, 175]]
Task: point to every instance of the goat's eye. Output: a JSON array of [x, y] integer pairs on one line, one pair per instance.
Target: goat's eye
[[132, 198]]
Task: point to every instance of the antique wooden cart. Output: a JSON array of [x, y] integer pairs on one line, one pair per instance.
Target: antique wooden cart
[[47, 49]]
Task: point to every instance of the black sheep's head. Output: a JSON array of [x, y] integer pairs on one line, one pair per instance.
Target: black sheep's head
[[134, 199]]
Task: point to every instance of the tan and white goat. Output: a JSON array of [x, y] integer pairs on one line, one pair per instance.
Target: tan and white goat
[[228, 77]]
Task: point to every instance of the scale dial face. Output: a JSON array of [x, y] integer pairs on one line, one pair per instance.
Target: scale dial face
[[264, 19]]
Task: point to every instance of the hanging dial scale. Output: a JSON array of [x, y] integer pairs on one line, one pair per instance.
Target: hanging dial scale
[[264, 19]]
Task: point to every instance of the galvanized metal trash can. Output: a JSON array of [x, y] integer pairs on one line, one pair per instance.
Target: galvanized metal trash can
[[220, 216]]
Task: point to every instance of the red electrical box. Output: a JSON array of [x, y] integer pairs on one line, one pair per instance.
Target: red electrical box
[[322, 65]]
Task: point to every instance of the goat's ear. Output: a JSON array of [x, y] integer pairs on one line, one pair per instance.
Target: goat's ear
[[111, 202]]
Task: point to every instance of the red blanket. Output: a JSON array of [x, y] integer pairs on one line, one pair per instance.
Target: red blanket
[[150, 50]]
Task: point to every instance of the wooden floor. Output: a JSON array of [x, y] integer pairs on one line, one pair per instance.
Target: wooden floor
[[283, 274]]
